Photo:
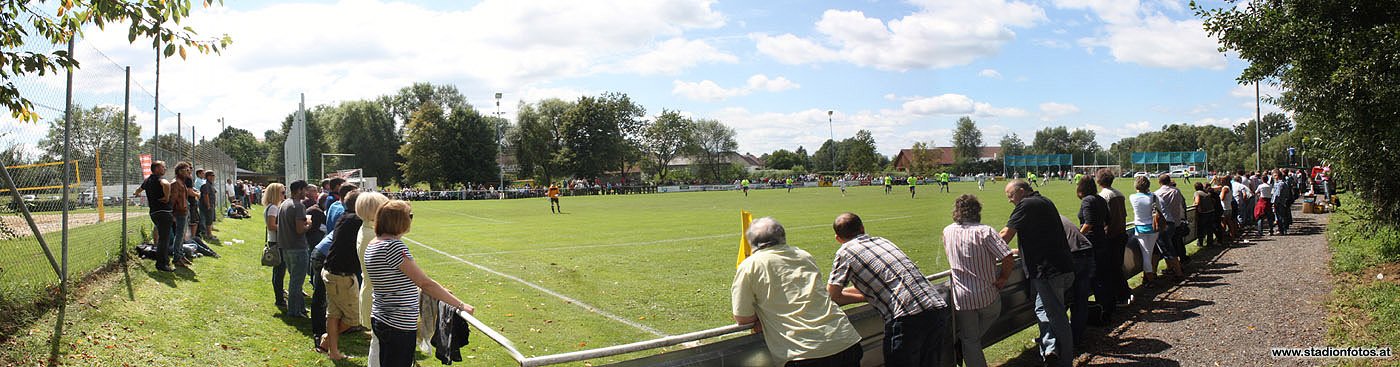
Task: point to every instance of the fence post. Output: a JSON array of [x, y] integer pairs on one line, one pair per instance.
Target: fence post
[[126, 156], [67, 186]]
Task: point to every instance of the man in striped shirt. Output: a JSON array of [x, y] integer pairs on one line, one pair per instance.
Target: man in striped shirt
[[973, 250], [916, 318]]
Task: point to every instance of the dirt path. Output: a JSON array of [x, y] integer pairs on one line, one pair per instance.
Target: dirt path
[[1237, 303]]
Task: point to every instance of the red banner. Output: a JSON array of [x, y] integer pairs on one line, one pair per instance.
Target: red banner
[[145, 165]]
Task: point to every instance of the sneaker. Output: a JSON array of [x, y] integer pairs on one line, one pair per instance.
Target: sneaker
[[165, 268], [1125, 302]]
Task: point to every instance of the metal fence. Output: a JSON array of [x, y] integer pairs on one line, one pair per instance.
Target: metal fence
[[66, 205]]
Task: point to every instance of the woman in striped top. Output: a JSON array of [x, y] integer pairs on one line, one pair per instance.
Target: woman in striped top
[[973, 250], [397, 280]]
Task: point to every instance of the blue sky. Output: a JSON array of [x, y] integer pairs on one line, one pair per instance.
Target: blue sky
[[905, 70]]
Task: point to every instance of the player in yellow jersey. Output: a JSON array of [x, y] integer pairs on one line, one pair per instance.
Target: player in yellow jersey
[[553, 194]]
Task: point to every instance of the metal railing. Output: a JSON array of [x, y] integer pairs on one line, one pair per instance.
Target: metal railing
[[1017, 313]]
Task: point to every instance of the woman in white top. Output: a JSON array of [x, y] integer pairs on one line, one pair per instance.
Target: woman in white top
[[1144, 204], [367, 206], [1263, 209], [271, 199]]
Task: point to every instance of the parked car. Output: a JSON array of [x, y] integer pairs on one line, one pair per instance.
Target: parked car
[[1181, 173], [1142, 174], [29, 197]]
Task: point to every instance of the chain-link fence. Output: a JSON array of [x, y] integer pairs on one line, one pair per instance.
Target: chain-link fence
[[67, 208]]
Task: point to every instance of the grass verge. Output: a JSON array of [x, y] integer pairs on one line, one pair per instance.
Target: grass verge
[[1365, 306]]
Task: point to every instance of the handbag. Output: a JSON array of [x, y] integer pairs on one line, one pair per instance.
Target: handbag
[[272, 255], [1156, 214]]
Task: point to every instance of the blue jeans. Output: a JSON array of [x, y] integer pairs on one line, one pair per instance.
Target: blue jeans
[[165, 235], [1084, 267], [298, 263], [917, 340], [1055, 333], [177, 247], [279, 275], [1283, 216]]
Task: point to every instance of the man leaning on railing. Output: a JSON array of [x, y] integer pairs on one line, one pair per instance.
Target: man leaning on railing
[[779, 290]]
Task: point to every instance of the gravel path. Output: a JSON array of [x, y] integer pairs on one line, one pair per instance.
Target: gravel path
[[1236, 304]]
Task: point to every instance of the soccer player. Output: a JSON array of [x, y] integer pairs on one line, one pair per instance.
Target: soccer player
[[888, 182], [943, 182], [745, 185], [789, 185], [843, 187], [981, 181], [553, 194], [911, 186]]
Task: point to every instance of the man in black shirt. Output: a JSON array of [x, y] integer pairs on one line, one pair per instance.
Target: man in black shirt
[[1048, 266], [206, 203], [161, 214]]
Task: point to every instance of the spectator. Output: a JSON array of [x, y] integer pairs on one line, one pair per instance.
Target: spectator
[[1048, 266], [1283, 202], [1147, 211], [398, 280], [916, 318], [1093, 219], [778, 289], [183, 202], [1207, 216], [315, 232], [292, 225], [207, 201], [1082, 253], [1111, 256], [1264, 208], [162, 216], [279, 271], [342, 266], [973, 250], [1169, 241], [367, 208]]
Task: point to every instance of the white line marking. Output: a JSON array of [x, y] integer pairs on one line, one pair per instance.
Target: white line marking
[[656, 242], [568, 299]]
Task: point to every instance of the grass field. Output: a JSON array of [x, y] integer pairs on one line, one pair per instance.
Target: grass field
[[612, 270]]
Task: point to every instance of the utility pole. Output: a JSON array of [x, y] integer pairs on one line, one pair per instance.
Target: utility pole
[[500, 132], [1259, 160]]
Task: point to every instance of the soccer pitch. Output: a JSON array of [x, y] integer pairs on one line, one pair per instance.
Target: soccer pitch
[[619, 269]]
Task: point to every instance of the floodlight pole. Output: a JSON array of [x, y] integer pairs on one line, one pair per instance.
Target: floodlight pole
[[500, 132], [831, 129]]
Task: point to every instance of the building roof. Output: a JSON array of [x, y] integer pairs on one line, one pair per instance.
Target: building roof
[[943, 156]]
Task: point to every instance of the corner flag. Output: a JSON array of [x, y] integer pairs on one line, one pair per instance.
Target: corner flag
[[744, 249]]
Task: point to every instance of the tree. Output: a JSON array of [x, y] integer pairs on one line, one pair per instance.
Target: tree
[[96, 129], [1060, 140], [423, 134], [1011, 145], [827, 157], [861, 154], [665, 139], [158, 21], [274, 161], [539, 142], [923, 160], [367, 130], [967, 140], [1275, 124], [782, 159], [1335, 61], [598, 133], [409, 99], [468, 142], [243, 147], [712, 141]]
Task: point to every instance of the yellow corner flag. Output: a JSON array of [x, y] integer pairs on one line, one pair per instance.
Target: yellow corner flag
[[744, 249]]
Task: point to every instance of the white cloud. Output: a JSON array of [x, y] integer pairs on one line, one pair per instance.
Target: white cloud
[[675, 55], [1050, 43], [1050, 111], [707, 90], [956, 104], [353, 49], [1139, 33], [989, 73], [939, 34]]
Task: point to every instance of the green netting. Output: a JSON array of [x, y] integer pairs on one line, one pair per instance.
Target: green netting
[[1169, 157], [1043, 160]]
